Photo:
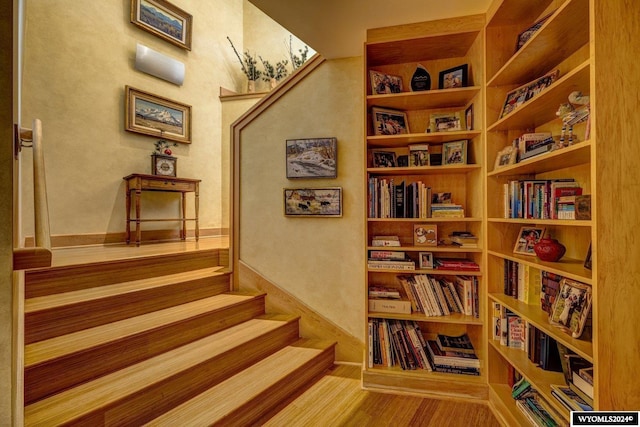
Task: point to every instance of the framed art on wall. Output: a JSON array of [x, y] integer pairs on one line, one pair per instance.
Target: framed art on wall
[[313, 202], [312, 158], [164, 20]]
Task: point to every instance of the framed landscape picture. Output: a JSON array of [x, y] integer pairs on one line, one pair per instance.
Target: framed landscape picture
[[157, 116], [312, 158], [164, 20], [313, 202], [528, 237], [389, 122]]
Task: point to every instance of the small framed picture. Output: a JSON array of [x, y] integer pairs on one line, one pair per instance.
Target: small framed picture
[[312, 158], [157, 116], [425, 235], [468, 117], [313, 202], [528, 237], [419, 155], [571, 307], [382, 83], [455, 152], [524, 93], [505, 157], [384, 159], [445, 122], [453, 77], [164, 20], [524, 36], [389, 122], [426, 260]]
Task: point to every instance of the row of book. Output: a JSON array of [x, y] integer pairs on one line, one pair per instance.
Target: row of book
[[540, 199], [401, 343], [534, 407], [441, 295], [522, 281]]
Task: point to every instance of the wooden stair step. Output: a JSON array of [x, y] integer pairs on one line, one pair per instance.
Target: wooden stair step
[[136, 394], [58, 314], [59, 363], [246, 397]]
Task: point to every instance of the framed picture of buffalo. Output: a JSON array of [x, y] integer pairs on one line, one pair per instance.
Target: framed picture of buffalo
[[313, 202]]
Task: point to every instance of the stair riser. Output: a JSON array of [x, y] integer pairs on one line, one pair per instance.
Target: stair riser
[[55, 280], [57, 375], [145, 405], [47, 324]]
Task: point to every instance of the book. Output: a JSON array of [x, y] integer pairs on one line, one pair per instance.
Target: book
[[586, 374], [383, 292], [569, 398], [550, 284], [387, 255], [529, 284], [582, 385], [389, 306], [455, 264], [571, 308], [385, 241], [380, 264], [515, 327], [460, 343], [452, 358]]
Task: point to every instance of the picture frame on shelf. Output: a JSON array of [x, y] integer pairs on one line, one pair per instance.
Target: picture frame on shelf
[[505, 157], [468, 117], [389, 122], [587, 260], [454, 152], [453, 77], [382, 83], [384, 159], [524, 36], [425, 235], [524, 93], [312, 158], [419, 155], [527, 238], [313, 202], [571, 307], [164, 20], [445, 122], [154, 115], [426, 260]]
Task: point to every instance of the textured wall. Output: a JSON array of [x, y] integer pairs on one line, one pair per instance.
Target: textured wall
[[318, 260]]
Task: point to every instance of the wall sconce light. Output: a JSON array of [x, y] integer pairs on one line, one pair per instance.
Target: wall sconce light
[[151, 62]]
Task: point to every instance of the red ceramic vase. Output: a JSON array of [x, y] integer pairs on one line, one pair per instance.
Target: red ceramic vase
[[549, 249]]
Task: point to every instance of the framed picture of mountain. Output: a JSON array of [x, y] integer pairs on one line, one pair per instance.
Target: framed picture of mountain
[[157, 116], [164, 20]]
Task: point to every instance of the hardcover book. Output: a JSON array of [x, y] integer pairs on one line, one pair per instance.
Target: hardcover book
[[460, 343]]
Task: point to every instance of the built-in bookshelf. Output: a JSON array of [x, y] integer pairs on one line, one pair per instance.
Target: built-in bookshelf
[[397, 52]]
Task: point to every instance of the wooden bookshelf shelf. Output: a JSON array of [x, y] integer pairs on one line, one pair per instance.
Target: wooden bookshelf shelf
[[417, 220], [439, 248], [391, 141], [424, 271], [501, 400], [437, 98], [421, 317], [424, 170], [570, 268], [545, 222]]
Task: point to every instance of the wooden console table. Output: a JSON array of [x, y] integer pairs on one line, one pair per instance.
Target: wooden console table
[[141, 182]]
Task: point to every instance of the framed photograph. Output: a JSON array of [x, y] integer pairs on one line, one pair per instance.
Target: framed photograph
[[445, 122], [528, 237], [312, 158], [571, 307], [419, 155], [384, 83], [524, 93], [453, 77], [468, 117], [455, 152], [157, 116], [164, 20], [384, 159], [426, 260], [425, 235], [389, 122], [524, 36], [505, 157], [313, 202]]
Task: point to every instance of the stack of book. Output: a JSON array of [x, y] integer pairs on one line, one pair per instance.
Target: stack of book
[[578, 374], [393, 241], [389, 260], [537, 410], [570, 399], [464, 239], [521, 281], [397, 342], [460, 264], [446, 210], [550, 284], [453, 355]]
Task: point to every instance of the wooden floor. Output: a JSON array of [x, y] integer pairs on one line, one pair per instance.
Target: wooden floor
[[338, 400]]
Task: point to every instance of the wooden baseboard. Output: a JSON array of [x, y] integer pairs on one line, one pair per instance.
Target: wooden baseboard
[[66, 240], [312, 325]]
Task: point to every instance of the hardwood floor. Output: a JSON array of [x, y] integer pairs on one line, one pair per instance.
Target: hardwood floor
[[338, 400]]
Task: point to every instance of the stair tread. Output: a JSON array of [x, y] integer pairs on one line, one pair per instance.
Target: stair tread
[[83, 295], [41, 351], [217, 402], [72, 403]]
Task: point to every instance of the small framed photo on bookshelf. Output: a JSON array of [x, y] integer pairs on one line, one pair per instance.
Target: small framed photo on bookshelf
[[419, 155], [468, 117], [425, 235], [524, 93], [455, 152], [389, 122], [571, 307], [384, 159], [524, 36], [445, 122], [382, 83], [527, 238], [313, 202], [426, 260], [505, 157], [453, 77]]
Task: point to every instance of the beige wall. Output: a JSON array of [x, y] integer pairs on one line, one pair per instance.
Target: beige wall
[[318, 260]]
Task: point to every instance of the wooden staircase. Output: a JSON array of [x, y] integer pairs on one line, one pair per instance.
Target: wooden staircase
[[158, 340]]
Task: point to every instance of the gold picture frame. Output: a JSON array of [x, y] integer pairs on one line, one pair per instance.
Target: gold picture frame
[[164, 20]]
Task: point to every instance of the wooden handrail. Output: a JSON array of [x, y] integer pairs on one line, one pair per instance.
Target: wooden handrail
[[40, 254]]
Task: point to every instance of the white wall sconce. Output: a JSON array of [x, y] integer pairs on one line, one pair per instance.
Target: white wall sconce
[[151, 62]]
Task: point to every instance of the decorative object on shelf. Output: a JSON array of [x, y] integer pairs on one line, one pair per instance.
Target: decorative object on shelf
[[505, 157], [587, 260], [583, 207], [524, 36], [548, 249], [162, 161], [312, 158], [524, 93], [156, 64], [382, 83], [313, 202], [571, 308], [384, 159], [164, 20], [426, 260], [575, 111], [389, 122], [157, 116], [425, 235], [248, 67], [421, 80], [455, 152], [534, 144], [453, 77], [273, 75], [445, 122], [527, 238], [468, 117]]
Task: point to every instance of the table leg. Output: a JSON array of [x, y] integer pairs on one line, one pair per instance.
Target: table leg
[[128, 206], [138, 231], [183, 228], [197, 197]]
